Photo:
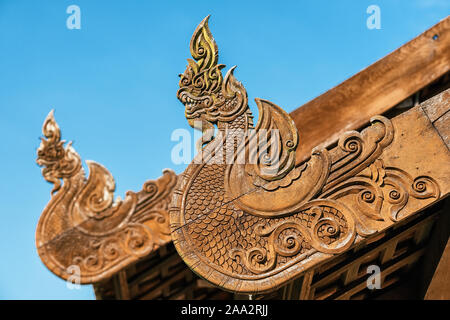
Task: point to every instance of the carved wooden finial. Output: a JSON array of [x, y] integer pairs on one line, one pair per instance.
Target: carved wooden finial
[[250, 226], [83, 228]]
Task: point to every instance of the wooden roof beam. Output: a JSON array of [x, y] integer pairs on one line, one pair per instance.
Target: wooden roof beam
[[374, 90]]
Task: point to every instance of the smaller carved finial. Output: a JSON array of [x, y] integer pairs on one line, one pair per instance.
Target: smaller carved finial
[[57, 162], [83, 226]]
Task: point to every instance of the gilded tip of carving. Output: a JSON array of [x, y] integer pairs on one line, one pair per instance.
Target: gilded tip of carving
[[203, 46], [230, 80], [50, 128], [203, 25], [50, 117], [205, 20], [229, 76]]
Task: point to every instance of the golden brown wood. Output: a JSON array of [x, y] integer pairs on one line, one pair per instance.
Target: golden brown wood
[[250, 227], [306, 285], [437, 110], [439, 288], [83, 232], [121, 285], [433, 270], [373, 90], [331, 285]]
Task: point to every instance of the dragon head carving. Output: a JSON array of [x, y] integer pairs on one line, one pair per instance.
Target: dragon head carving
[[207, 96]]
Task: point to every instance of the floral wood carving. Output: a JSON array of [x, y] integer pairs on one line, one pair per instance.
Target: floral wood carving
[[249, 226], [83, 226]]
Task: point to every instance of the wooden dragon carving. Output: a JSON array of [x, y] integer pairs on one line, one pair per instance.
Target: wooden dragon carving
[[244, 216], [83, 231]]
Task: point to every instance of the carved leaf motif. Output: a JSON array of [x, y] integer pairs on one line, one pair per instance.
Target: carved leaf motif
[[368, 195], [358, 150], [279, 197], [98, 192], [273, 121], [399, 186]]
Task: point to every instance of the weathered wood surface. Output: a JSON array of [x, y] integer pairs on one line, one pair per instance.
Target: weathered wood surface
[[373, 90], [433, 275], [439, 288], [438, 111]]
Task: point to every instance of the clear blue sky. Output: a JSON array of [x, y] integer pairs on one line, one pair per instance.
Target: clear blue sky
[[113, 87]]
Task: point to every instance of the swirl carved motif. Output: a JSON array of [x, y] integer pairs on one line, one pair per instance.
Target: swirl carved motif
[[322, 225], [84, 226], [247, 229]]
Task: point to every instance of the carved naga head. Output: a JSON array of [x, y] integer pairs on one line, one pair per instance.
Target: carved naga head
[[207, 96]]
